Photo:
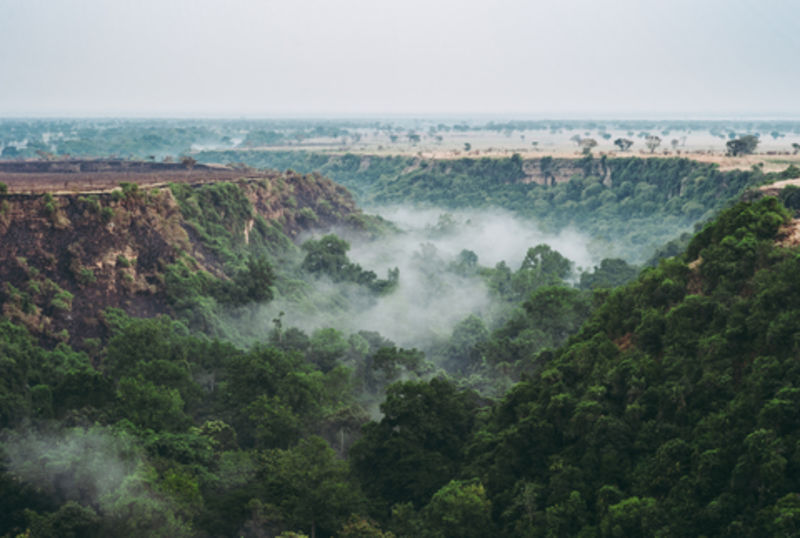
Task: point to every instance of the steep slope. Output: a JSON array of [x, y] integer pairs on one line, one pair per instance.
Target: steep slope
[[629, 206], [67, 257], [673, 412]]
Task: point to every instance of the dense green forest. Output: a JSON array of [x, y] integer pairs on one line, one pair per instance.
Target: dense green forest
[[629, 206], [307, 369], [670, 410]]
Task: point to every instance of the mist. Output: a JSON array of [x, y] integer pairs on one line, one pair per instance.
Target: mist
[[75, 464], [495, 235], [434, 292], [101, 468]]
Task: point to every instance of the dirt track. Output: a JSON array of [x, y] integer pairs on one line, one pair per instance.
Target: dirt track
[[57, 177]]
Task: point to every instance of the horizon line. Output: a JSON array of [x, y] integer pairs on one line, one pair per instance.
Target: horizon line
[[420, 116]]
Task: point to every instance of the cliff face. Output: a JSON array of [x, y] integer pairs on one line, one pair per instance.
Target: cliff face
[[64, 258]]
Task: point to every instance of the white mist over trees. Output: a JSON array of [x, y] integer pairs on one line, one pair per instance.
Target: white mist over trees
[[438, 255]]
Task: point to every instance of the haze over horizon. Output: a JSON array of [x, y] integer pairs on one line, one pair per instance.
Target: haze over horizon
[[356, 58]]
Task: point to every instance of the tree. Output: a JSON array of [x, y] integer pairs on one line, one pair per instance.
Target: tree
[[251, 284], [652, 142], [422, 433], [150, 406], [587, 144], [327, 255], [623, 143], [461, 353], [467, 146], [611, 273], [359, 527], [310, 484], [188, 162], [632, 517], [71, 519], [542, 266], [795, 148], [743, 145], [327, 346], [460, 509], [9, 152]]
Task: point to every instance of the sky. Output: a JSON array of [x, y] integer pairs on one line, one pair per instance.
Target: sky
[[356, 58]]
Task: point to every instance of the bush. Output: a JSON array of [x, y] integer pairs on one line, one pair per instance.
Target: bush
[[130, 191], [62, 300], [106, 214], [85, 277]]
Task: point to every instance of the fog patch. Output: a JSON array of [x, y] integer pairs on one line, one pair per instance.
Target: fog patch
[[75, 464], [434, 292], [99, 467], [495, 235]]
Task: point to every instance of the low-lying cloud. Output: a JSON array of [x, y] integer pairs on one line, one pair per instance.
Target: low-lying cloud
[[431, 296]]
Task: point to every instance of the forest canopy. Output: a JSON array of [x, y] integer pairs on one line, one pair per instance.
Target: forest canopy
[[604, 398]]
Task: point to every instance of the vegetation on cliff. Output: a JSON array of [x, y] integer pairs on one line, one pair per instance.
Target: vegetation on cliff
[[630, 206], [669, 412], [153, 390]]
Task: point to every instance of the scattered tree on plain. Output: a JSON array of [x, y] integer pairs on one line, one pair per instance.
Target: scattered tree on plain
[[652, 142], [623, 143], [587, 144], [743, 145]]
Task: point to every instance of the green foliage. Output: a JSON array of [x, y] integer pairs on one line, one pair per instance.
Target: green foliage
[[791, 172], [3, 189], [459, 509], [218, 212], [743, 145], [198, 296], [71, 519], [106, 214], [611, 273], [548, 316], [328, 256], [311, 487], [91, 202], [85, 276], [629, 205], [148, 405], [647, 415], [422, 432], [542, 266], [253, 283], [462, 355], [668, 407], [130, 191]]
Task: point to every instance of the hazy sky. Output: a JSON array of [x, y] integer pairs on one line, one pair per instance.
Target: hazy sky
[[395, 57]]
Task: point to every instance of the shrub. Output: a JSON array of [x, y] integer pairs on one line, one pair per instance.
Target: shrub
[[85, 277], [62, 300], [107, 213]]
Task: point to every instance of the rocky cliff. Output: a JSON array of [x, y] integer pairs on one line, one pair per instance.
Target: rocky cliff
[[64, 258]]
